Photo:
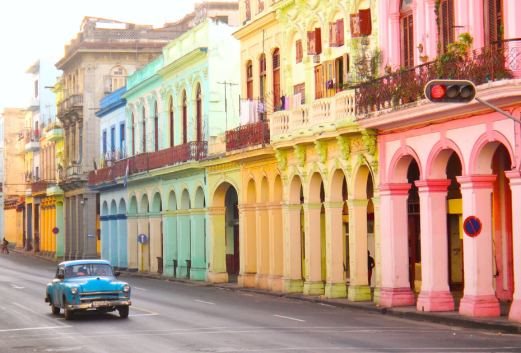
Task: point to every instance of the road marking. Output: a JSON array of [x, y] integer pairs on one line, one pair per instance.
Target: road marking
[[34, 328], [144, 315], [145, 310], [200, 301], [290, 318], [16, 287], [138, 288], [34, 312], [25, 279]]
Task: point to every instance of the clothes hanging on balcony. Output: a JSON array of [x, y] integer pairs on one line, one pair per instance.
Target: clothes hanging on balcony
[[297, 99], [245, 112]]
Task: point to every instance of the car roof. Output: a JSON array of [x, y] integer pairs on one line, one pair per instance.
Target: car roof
[[82, 262]]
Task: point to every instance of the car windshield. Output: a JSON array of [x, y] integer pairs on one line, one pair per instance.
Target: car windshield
[[87, 269]]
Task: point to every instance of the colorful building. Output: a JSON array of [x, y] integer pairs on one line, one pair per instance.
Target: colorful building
[[443, 163]]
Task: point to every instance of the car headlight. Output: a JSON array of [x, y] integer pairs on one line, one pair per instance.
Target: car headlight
[[74, 291], [126, 288]]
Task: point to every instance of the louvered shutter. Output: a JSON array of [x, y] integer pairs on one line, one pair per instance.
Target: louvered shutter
[[444, 26], [411, 43], [311, 43], [345, 63], [451, 20], [366, 27], [318, 40], [340, 31], [332, 42], [354, 21], [302, 93]]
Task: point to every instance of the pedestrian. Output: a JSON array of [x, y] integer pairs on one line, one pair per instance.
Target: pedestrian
[[370, 265], [4, 246]]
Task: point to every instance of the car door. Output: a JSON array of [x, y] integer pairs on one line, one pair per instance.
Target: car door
[[57, 287]]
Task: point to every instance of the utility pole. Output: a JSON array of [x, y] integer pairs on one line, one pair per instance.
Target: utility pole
[[225, 99]]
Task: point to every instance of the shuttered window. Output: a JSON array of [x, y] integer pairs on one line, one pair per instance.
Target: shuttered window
[[336, 33], [300, 88], [249, 80], [144, 130], [276, 77], [315, 42], [407, 40], [361, 24], [493, 16], [446, 23], [248, 10], [298, 51], [319, 82]]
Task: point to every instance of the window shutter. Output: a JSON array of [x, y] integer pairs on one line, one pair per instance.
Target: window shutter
[[311, 43], [331, 35], [366, 27], [355, 25], [451, 20], [302, 93], [411, 43], [318, 40], [340, 31], [345, 63], [444, 39]]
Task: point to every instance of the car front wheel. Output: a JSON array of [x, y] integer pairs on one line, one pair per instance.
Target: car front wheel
[[55, 310], [123, 312]]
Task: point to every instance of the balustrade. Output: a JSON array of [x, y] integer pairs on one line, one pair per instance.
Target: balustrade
[[248, 135]]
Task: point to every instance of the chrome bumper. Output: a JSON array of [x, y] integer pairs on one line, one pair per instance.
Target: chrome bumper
[[91, 305]]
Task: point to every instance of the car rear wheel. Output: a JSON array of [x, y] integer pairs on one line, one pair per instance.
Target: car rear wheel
[[123, 312], [55, 310]]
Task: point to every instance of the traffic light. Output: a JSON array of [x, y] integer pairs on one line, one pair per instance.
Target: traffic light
[[450, 91]]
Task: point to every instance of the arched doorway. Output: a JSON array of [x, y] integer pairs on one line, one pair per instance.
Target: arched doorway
[[122, 235], [184, 231], [198, 221], [144, 131], [132, 231], [113, 240], [199, 115], [156, 234], [144, 228], [185, 118], [156, 128], [294, 252], [171, 115], [105, 231]]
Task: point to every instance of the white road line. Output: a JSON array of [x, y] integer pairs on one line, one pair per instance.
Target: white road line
[[144, 315], [34, 312], [138, 288], [16, 287], [290, 318], [200, 301], [34, 328]]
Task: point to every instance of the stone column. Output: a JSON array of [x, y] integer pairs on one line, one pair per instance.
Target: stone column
[[292, 269], [435, 292], [105, 237], [89, 229], [479, 299], [247, 244], [143, 250], [515, 186], [198, 231], [184, 242], [122, 242], [132, 244], [217, 261], [155, 241], [275, 246], [335, 282], [169, 242], [359, 289], [396, 288], [378, 251], [113, 240], [262, 244], [313, 284]]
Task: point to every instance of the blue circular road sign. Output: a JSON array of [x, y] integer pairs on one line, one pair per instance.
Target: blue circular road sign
[[142, 238], [472, 226]]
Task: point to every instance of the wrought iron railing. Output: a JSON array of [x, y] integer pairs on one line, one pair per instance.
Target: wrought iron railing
[[141, 162], [39, 186], [248, 135], [74, 170], [499, 61], [102, 175]]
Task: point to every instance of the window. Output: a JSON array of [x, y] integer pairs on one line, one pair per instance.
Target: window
[[336, 33], [36, 89], [249, 80], [144, 130], [276, 79], [319, 81], [406, 36], [261, 6], [493, 21], [104, 142], [223, 19], [335, 74], [156, 128], [199, 112], [298, 51], [315, 42], [185, 118], [247, 10], [171, 122], [122, 138], [300, 88], [446, 24], [361, 24], [133, 135], [112, 138], [116, 79]]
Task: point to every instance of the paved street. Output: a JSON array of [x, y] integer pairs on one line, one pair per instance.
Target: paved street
[[176, 317]]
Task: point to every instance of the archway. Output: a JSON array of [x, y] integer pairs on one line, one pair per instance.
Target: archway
[[170, 237], [122, 235], [144, 229], [156, 234], [113, 240], [105, 231], [248, 237], [184, 231], [276, 235], [198, 221], [133, 231], [263, 235]]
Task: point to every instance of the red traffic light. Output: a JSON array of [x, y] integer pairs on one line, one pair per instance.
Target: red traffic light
[[450, 91]]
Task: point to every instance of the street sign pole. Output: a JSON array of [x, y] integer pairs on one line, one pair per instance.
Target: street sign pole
[[497, 109]]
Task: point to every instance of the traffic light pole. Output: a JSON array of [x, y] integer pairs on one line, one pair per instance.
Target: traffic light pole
[[497, 109]]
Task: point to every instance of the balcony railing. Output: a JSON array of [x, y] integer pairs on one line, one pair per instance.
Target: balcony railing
[[141, 162], [248, 135], [102, 175], [74, 101], [39, 186], [121, 167], [109, 158], [74, 170], [496, 62]]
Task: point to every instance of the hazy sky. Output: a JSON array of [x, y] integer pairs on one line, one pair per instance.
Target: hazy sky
[[33, 29]]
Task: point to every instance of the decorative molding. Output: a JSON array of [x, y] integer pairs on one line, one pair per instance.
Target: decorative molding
[[282, 158], [321, 148], [205, 73], [369, 138], [344, 143], [300, 153]]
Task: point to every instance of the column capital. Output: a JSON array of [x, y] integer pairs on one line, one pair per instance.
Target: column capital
[[292, 207], [394, 17], [430, 3], [197, 211], [376, 200], [394, 189], [514, 176], [216, 210], [476, 181], [183, 212], [312, 206], [274, 205], [333, 204], [432, 185], [246, 207], [357, 202], [170, 213], [261, 206]]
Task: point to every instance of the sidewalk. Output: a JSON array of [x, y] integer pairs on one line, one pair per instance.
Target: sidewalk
[[453, 318], [498, 324]]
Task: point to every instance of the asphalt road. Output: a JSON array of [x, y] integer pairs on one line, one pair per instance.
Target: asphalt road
[[177, 317]]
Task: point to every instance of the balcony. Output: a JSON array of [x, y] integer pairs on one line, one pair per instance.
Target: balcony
[[70, 104], [33, 104], [28, 140], [324, 114], [402, 89], [54, 131], [248, 135], [71, 173], [39, 187], [102, 175]]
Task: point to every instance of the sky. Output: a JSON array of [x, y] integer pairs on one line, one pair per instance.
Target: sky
[[33, 29]]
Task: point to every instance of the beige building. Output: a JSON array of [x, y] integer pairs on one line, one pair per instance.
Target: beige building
[[12, 120]]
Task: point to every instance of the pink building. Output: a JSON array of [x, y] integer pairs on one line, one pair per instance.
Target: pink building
[[441, 163]]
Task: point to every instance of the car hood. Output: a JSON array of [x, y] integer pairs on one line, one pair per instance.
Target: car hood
[[96, 284]]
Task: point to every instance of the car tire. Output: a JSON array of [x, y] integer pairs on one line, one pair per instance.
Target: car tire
[[69, 314], [123, 312], [55, 310]]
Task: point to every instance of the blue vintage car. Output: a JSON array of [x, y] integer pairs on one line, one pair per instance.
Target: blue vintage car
[[87, 285]]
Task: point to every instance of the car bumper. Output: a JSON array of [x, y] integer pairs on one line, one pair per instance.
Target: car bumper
[[112, 303]]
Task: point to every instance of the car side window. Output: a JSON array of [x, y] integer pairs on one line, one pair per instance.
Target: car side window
[[59, 271]]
